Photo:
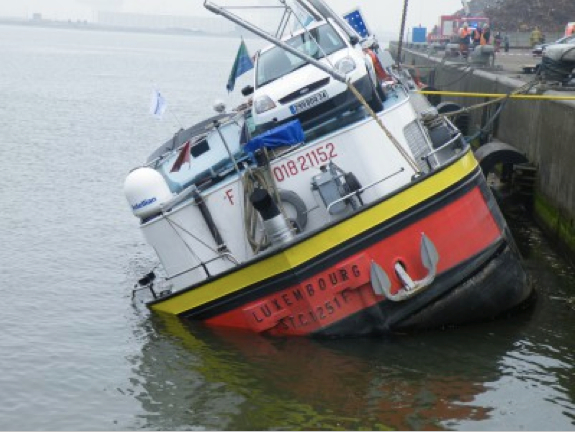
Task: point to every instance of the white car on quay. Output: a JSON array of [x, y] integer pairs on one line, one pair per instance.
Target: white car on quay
[[286, 87]]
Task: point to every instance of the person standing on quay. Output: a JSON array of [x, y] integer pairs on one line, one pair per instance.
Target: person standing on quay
[[535, 36], [485, 35], [464, 40], [476, 36], [497, 40], [506, 43]]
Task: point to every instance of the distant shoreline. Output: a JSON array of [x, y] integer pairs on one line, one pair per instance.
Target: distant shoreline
[[83, 25]]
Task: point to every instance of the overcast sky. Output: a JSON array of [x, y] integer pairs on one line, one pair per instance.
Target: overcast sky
[[380, 14]]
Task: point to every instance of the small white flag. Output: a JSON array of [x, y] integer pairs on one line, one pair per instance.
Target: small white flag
[[158, 105]]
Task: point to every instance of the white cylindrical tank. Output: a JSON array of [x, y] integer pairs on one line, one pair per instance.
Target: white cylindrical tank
[[146, 191]]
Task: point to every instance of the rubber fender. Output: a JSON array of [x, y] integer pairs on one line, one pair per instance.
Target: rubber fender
[[461, 121], [493, 153], [446, 107], [293, 199], [433, 99]]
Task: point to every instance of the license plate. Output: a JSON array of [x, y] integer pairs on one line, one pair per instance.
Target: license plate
[[309, 102]]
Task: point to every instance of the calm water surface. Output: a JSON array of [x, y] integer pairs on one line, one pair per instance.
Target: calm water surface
[[77, 354]]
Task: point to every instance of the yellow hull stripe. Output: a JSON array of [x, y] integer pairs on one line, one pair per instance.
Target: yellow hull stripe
[[319, 243]]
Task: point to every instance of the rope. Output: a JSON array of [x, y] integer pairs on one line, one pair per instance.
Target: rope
[[467, 71], [174, 224], [393, 140], [500, 98], [504, 99], [252, 179]]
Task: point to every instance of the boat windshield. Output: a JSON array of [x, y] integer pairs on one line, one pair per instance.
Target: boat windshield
[[277, 62]]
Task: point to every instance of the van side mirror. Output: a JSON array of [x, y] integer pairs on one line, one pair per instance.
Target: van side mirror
[[248, 90], [353, 40]]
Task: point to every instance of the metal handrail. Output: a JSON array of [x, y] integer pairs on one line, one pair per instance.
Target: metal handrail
[[444, 146], [363, 189], [204, 263]]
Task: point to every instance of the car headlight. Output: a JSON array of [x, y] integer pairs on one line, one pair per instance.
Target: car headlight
[[263, 104], [345, 65]]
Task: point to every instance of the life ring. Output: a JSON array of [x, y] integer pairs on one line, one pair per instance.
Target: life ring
[[294, 201]]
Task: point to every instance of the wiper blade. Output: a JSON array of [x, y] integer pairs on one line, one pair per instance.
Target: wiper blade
[[299, 67], [268, 81]]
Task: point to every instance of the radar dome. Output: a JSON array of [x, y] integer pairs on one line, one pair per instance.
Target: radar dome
[[146, 191]]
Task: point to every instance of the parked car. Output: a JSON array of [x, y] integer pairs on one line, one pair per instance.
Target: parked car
[[286, 87], [538, 50]]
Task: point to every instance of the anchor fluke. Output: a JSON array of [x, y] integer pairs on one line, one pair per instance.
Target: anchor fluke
[[379, 280], [429, 255], [382, 285]]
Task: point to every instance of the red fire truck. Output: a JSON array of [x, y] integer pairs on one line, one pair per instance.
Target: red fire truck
[[448, 29]]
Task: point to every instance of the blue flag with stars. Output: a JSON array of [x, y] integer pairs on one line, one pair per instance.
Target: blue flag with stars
[[242, 64], [356, 21]]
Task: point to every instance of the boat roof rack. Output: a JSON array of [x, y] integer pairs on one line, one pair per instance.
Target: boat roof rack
[[299, 13], [296, 11]]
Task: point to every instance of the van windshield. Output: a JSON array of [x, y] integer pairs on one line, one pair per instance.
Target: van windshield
[[277, 62]]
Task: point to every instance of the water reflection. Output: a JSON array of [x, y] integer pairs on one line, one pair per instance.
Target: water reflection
[[194, 377]]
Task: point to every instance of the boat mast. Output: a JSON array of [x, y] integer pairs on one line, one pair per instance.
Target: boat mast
[[405, 3]]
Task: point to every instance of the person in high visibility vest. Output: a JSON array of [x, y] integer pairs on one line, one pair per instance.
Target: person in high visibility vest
[[485, 35], [476, 36], [535, 37], [464, 34]]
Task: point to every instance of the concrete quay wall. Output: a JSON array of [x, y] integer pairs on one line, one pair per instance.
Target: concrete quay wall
[[543, 130]]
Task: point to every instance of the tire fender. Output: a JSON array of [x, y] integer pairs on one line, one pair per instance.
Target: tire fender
[[292, 199]]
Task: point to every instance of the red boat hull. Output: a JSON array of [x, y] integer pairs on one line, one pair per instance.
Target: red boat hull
[[479, 274]]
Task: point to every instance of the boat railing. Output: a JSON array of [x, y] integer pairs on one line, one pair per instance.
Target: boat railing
[[457, 139], [203, 265], [363, 189]]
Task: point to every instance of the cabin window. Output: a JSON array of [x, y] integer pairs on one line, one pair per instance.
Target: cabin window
[[200, 148]]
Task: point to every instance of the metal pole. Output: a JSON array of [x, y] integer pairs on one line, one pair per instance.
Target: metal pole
[[405, 3], [254, 29], [230, 154]]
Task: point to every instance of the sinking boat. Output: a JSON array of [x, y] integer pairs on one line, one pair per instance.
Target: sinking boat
[[364, 223]]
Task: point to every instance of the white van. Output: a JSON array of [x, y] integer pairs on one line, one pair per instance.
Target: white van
[[286, 87]]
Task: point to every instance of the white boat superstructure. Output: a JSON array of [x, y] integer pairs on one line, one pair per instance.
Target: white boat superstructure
[[339, 218], [313, 180]]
